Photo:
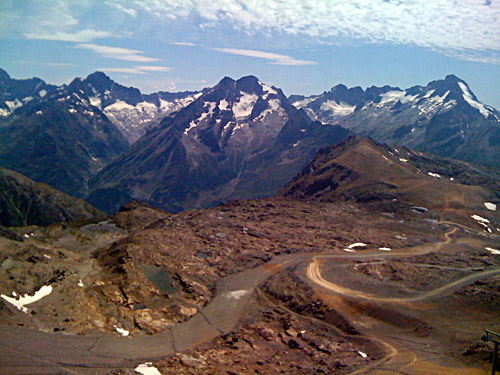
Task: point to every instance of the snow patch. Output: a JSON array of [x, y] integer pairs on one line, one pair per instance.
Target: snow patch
[[147, 369], [403, 160], [273, 105], [4, 112], [428, 94], [146, 107], [80, 283], [394, 96], [468, 98], [42, 93], [304, 102], [339, 109], [119, 105], [434, 103], [268, 90], [385, 248], [364, 355], [357, 244], [490, 206], [13, 104], [121, 331], [20, 302], [244, 106], [223, 104], [434, 174], [96, 102], [479, 218], [237, 294], [493, 251], [195, 123], [192, 125]]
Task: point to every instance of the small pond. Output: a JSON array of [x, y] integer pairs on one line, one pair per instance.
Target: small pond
[[160, 278]]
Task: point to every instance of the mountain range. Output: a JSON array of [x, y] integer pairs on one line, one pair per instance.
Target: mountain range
[[107, 143], [239, 139], [444, 118]]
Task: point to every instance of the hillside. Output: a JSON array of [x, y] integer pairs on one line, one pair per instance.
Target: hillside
[[24, 202]]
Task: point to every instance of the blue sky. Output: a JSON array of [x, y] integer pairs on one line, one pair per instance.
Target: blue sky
[[301, 46]]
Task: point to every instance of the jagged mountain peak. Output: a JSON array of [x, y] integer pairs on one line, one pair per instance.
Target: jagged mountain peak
[[247, 84], [100, 80], [4, 76], [453, 78]]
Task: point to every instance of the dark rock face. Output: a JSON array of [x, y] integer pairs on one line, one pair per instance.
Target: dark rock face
[[444, 118], [240, 139], [24, 202]]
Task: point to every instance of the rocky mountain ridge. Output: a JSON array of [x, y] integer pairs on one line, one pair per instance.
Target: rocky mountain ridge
[[240, 139], [443, 117]]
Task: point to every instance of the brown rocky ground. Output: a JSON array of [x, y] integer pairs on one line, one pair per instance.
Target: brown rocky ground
[[146, 270]]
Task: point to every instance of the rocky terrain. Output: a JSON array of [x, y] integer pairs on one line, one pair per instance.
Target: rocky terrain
[[318, 280]]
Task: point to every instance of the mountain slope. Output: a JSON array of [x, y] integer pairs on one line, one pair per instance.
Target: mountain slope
[[60, 143], [359, 169], [25, 202], [240, 139], [444, 118]]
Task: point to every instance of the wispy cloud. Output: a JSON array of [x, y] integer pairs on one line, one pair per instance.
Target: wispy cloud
[[469, 25], [117, 52], [151, 68], [81, 36], [114, 4], [141, 69], [122, 70], [189, 44], [272, 58]]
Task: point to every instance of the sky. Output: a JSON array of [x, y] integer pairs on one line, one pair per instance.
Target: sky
[[301, 46]]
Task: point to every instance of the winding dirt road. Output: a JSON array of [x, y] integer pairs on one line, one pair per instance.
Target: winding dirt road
[[399, 358]]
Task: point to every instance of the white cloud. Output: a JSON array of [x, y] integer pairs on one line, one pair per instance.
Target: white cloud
[[141, 69], [183, 44], [81, 36], [117, 52], [273, 58], [149, 68], [129, 11], [461, 25], [122, 70]]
